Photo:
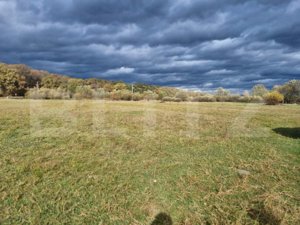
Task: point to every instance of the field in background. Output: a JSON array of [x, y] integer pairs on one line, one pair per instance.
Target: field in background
[[96, 162]]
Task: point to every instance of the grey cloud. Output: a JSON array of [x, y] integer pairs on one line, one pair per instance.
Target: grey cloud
[[198, 44]]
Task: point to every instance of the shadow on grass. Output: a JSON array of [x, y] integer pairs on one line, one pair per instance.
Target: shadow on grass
[[162, 219], [263, 217], [288, 132]]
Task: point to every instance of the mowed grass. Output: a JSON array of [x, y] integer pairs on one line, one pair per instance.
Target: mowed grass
[[97, 162]]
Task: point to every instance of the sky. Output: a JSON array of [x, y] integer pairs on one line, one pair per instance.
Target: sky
[[192, 44]]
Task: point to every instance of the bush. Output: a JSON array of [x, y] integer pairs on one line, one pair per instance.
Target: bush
[[236, 98], [167, 99], [84, 92], [115, 95], [245, 99], [177, 99], [34, 94], [149, 95], [47, 93], [171, 99], [124, 95], [256, 99], [137, 97], [166, 92], [58, 94], [222, 98], [181, 95], [100, 94], [222, 95], [204, 98], [222, 92], [273, 98]]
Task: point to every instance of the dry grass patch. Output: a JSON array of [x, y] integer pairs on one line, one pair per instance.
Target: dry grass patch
[[98, 162]]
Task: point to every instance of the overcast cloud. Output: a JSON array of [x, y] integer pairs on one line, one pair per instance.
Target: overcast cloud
[[201, 44]]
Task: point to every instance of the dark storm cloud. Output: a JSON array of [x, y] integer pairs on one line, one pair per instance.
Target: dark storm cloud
[[200, 44]]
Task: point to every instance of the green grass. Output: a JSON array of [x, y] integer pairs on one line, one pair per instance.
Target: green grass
[[95, 162]]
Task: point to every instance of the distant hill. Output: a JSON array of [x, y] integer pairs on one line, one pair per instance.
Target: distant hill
[[17, 79]]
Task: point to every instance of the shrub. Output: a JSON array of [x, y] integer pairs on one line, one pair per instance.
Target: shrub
[[72, 84], [115, 95], [222, 98], [149, 95], [38, 93], [222, 92], [47, 93], [237, 98], [100, 94], [222, 95], [245, 99], [166, 92], [120, 86], [58, 94], [171, 99], [177, 99], [273, 98], [257, 99], [137, 97], [124, 95], [167, 99], [181, 95], [204, 98], [84, 92]]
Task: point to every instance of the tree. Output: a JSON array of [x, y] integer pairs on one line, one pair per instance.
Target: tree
[[221, 92], [141, 88], [108, 87], [150, 95], [291, 91], [259, 90], [84, 92], [73, 84], [94, 83], [51, 81], [120, 86], [9, 81], [166, 92], [222, 95], [26, 76]]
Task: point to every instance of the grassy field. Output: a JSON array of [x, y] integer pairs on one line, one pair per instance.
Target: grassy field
[[96, 162]]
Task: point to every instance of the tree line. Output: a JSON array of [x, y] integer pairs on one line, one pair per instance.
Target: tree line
[[21, 80]]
